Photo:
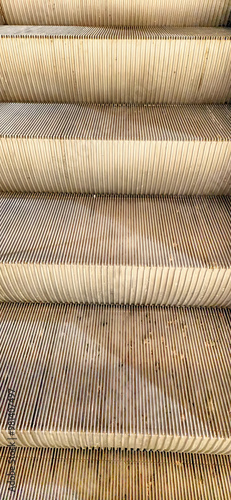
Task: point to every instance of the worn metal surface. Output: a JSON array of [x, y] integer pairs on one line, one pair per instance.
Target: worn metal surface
[[116, 475], [97, 376], [131, 250], [162, 149], [115, 65], [117, 12]]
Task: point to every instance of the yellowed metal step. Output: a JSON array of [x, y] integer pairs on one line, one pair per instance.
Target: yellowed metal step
[[160, 149], [117, 12], [117, 377], [115, 475], [126, 250], [115, 65]]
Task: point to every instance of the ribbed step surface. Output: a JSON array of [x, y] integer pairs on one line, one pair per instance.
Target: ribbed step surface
[[97, 376], [76, 248], [103, 65], [117, 12], [160, 149], [118, 475]]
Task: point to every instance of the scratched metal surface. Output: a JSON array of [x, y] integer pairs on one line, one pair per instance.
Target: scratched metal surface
[[118, 377], [116, 475]]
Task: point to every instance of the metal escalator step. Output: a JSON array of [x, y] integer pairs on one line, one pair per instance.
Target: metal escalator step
[[112, 249], [115, 475], [115, 65], [117, 12], [87, 148], [117, 377]]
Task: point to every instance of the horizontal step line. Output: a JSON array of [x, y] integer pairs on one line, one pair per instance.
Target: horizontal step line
[[125, 33]]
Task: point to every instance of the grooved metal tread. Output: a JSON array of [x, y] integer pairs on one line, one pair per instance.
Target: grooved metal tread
[[112, 249], [118, 65], [116, 475], [117, 12], [163, 122], [117, 377], [159, 149]]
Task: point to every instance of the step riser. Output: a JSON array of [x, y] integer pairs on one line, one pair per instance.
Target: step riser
[[88, 376], [155, 250], [115, 285], [117, 475], [115, 149], [179, 168], [192, 68], [115, 231], [117, 13]]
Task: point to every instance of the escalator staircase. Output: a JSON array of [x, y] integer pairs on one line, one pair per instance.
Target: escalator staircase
[[115, 249]]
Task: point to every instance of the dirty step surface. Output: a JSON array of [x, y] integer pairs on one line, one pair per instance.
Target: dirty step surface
[[103, 376], [82, 64], [87, 148], [115, 475], [116, 12], [120, 250]]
